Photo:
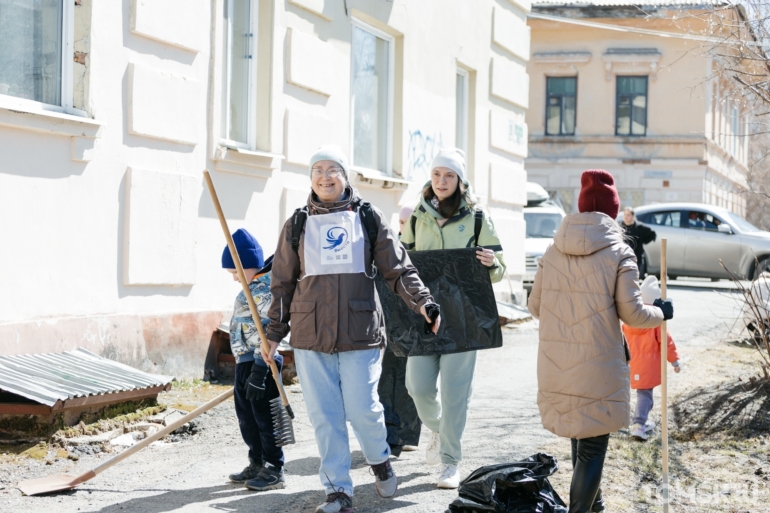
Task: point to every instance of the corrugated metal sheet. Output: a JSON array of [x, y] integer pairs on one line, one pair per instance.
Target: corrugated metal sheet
[[49, 378], [623, 3]]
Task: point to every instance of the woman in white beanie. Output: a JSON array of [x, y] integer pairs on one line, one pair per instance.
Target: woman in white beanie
[[323, 284], [446, 218]]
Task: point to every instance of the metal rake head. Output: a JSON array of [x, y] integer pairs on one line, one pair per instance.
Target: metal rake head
[[283, 428]]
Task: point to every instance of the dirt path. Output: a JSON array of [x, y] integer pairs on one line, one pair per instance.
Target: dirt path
[[504, 425], [192, 475]]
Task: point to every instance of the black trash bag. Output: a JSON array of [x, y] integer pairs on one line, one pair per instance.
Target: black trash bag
[[401, 419], [511, 488], [461, 285]]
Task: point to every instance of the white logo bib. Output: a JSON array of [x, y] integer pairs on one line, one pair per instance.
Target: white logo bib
[[334, 244]]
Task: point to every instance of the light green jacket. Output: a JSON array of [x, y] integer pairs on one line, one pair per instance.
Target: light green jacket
[[457, 232]]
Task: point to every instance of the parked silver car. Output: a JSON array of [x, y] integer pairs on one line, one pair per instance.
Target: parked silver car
[[543, 218], [701, 235]]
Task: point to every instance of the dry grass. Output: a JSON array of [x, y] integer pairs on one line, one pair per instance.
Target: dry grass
[[711, 469], [718, 475], [188, 395]]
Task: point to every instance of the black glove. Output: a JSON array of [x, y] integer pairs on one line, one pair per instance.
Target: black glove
[[666, 306], [255, 385], [433, 310]]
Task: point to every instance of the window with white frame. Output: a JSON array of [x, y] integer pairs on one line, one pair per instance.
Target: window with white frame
[[461, 109], [371, 97], [631, 106], [239, 112], [36, 58]]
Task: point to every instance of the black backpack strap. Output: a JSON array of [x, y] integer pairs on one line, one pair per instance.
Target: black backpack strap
[[297, 225], [370, 225], [479, 219], [413, 222]]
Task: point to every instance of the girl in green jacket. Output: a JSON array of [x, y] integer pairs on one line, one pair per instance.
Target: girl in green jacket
[[445, 219]]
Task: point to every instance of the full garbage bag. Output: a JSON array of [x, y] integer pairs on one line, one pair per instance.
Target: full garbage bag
[[461, 285], [511, 488]]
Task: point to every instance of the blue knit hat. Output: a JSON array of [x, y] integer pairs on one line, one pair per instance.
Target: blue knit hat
[[248, 249]]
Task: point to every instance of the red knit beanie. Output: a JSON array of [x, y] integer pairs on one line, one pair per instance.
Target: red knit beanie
[[598, 193]]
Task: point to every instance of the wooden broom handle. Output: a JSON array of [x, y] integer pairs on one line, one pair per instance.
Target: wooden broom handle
[[245, 285]]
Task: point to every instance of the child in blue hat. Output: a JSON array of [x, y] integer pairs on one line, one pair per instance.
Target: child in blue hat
[[254, 388]]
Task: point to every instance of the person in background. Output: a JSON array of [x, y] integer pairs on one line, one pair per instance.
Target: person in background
[[323, 284], [644, 346], [446, 219], [403, 216], [586, 283], [401, 417], [253, 386], [637, 235], [695, 221]]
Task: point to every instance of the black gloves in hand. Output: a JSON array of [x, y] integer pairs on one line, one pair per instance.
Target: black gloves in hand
[[666, 306], [433, 310], [255, 385]]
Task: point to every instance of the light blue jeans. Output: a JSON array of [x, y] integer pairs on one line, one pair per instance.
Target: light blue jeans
[[448, 417], [337, 388]]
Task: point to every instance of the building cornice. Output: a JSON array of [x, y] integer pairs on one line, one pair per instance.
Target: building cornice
[[561, 57]]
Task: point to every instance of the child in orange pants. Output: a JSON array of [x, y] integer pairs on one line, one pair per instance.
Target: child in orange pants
[[644, 344]]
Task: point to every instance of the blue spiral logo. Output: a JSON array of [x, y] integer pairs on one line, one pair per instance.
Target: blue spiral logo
[[336, 237]]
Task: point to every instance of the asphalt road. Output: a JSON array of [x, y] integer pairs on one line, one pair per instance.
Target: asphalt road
[[191, 476]]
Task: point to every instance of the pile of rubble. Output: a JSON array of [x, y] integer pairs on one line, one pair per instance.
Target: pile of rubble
[[91, 442]]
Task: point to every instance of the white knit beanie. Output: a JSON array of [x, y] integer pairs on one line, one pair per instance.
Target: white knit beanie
[[330, 152], [650, 290], [451, 158]]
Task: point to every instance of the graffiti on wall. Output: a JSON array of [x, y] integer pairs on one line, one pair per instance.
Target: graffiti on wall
[[422, 148]]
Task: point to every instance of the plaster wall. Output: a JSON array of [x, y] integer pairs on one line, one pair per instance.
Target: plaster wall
[[114, 243], [676, 96], [673, 161]]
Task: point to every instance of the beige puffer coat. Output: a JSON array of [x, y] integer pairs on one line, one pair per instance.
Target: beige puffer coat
[[585, 284]]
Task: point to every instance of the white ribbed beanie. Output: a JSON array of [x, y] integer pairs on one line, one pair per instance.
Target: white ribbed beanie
[[650, 290], [452, 158], [331, 152]]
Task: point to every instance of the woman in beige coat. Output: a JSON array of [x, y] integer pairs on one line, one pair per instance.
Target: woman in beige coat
[[586, 283]]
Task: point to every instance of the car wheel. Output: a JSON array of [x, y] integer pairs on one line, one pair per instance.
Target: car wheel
[[715, 279], [763, 266], [673, 277]]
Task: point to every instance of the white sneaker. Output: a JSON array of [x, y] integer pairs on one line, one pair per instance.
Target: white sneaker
[[649, 426], [637, 431], [409, 448], [432, 456], [450, 477]]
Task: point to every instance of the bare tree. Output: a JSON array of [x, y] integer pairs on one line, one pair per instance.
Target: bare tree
[[740, 38]]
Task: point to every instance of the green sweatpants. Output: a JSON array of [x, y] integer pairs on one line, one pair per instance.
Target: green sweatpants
[[448, 417]]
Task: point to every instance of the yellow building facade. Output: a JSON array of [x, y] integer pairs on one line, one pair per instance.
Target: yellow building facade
[[635, 90]]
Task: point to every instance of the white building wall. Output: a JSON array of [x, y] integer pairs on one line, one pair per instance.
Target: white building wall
[[110, 240]]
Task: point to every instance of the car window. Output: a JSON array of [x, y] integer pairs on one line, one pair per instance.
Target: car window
[[668, 218], [542, 226], [742, 224], [702, 221]]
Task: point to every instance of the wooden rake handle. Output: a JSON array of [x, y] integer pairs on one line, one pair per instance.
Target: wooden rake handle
[[245, 285]]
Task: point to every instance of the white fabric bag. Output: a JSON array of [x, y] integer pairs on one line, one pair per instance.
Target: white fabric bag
[[334, 244]]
